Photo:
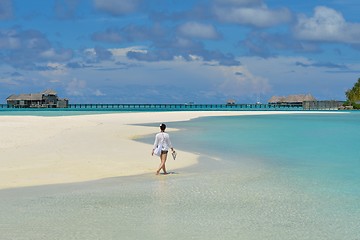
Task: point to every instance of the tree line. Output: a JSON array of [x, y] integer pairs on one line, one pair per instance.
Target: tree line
[[353, 96]]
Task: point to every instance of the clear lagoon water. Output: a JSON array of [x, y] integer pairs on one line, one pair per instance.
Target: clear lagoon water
[[321, 147], [54, 112], [293, 176]]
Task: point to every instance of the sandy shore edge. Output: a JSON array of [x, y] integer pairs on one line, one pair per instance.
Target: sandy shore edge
[[52, 150]]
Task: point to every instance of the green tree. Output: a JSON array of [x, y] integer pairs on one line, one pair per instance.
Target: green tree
[[353, 95]]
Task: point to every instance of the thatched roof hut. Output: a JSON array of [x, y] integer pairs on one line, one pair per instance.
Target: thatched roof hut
[[25, 97], [31, 96], [230, 102], [47, 99], [276, 99], [49, 92], [299, 98]]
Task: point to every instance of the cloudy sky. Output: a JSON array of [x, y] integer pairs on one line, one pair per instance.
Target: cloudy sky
[[177, 51]]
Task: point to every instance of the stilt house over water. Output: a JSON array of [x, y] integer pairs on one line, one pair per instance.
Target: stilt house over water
[[292, 99], [46, 99], [307, 101]]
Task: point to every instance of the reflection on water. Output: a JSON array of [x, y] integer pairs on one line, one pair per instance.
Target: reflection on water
[[192, 204]]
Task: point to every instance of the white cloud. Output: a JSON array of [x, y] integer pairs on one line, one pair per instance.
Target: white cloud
[[98, 93], [240, 82], [169, 81], [60, 55], [255, 16], [121, 52], [198, 30], [286, 76], [76, 87], [54, 75], [327, 25], [9, 39], [195, 58]]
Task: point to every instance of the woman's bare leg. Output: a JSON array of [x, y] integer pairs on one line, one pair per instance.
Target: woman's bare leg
[[163, 157]]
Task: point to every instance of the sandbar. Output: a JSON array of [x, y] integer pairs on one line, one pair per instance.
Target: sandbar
[[38, 150]]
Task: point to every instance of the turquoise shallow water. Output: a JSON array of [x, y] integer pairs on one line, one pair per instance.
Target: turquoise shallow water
[[318, 154], [53, 112], [320, 147], [301, 172], [259, 177]]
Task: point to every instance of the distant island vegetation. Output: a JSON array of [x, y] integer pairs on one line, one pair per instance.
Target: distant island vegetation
[[353, 96]]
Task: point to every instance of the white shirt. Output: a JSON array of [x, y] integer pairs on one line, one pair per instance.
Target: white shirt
[[164, 139]]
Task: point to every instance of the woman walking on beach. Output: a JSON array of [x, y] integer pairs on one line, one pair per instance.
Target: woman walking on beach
[[162, 139]]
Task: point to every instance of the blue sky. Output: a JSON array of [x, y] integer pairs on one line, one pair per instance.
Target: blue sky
[[177, 51]]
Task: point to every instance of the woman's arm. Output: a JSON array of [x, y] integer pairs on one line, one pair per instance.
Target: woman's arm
[[156, 142]]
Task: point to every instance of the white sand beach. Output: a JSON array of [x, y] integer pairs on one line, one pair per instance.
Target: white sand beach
[[280, 195], [51, 150]]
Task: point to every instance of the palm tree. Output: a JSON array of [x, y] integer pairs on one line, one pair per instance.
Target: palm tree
[[353, 94]]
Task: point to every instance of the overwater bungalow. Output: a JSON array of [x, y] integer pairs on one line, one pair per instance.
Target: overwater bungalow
[[307, 101], [230, 102], [291, 99], [46, 99]]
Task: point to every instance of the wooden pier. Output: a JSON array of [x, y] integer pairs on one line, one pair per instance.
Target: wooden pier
[[172, 107], [184, 107]]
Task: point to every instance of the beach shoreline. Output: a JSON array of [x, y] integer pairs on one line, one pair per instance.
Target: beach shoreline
[[70, 149]]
